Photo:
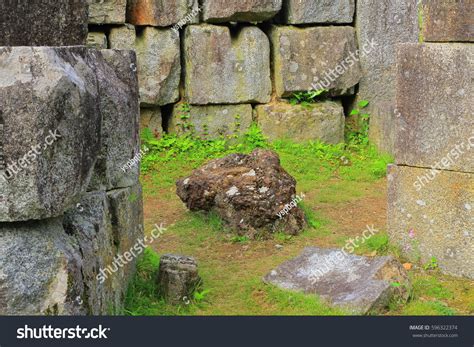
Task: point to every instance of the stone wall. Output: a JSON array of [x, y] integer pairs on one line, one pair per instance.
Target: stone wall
[[69, 122], [431, 187], [236, 62]]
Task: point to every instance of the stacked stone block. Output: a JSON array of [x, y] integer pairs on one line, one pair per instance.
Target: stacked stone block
[[431, 187], [384, 24], [70, 118], [227, 58]]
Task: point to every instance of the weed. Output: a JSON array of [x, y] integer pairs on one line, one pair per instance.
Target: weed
[[240, 239], [359, 135], [432, 264], [308, 97]]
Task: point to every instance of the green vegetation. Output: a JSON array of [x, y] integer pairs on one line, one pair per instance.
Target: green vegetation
[[308, 97], [359, 133], [421, 38], [341, 183]]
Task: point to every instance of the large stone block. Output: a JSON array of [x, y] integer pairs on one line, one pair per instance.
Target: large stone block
[[119, 107], [322, 121], [126, 209], [319, 11], [358, 285], [37, 262], [89, 227], [159, 66], [218, 11], [54, 266], [51, 128], [122, 37], [431, 214], [107, 11], [211, 121], [435, 124], [314, 58], [443, 21], [225, 69], [161, 12], [384, 23], [43, 23]]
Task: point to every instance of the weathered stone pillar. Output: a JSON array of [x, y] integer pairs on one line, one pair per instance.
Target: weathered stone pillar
[[431, 187], [70, 202]]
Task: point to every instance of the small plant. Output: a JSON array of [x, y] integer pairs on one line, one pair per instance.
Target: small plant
[[307, 98], [185, 124], [432, 264], [255, 138], [360, 134], [200, 296], [240, 239]]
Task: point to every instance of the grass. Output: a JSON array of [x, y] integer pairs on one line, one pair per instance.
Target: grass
[[344, 188]]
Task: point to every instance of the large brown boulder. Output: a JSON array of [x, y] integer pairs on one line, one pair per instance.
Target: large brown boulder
[[249, 192]]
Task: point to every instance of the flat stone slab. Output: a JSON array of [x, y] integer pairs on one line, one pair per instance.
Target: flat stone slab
[[354, 283]]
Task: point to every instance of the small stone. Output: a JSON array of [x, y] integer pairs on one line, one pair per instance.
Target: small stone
[[278, 246], [359, 285], [177, 278]]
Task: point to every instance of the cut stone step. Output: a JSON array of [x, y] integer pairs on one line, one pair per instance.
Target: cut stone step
[[356, 284]]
